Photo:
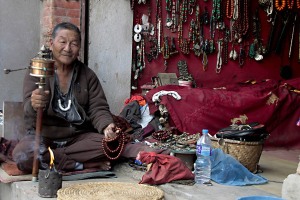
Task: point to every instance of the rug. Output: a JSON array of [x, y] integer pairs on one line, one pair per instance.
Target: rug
[[10, 173]]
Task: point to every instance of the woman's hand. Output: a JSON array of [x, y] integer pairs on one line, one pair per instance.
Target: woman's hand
[[110, 131], [39, 98]]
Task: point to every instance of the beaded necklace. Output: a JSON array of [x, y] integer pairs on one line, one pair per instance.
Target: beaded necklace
[[191, 5], [298, 6], [168, 5], [229, 8], [110, 153], [166, 49], [290, 4], [183, 10], [280, 6], [174, 17]]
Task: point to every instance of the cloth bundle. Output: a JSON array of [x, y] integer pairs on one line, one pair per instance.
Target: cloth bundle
[[164, 168]]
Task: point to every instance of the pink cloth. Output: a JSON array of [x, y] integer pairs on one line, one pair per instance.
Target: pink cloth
[[164, 169]]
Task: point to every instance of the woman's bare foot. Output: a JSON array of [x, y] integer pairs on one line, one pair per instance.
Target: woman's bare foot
[[102, 165]]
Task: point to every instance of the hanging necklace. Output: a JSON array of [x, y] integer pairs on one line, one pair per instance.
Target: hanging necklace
[[219, 57], [290, 4], [204, 61], [229, 8], [280, 6]]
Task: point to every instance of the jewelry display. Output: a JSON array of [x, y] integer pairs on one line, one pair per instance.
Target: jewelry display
[[202, 30]]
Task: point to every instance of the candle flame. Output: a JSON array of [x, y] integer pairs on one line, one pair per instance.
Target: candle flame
[[51, 157]]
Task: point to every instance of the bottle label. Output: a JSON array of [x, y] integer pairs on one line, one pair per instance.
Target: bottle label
[[204, 150]]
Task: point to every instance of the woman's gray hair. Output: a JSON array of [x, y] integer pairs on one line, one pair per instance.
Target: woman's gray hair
[[68, 26]]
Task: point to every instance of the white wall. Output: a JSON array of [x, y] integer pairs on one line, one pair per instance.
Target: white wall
[[20, 37], [110, 44]]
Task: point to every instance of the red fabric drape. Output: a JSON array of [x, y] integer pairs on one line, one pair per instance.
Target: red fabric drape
[[269, 102]]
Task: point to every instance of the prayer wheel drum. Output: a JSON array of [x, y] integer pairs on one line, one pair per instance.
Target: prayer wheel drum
[[41, 67]]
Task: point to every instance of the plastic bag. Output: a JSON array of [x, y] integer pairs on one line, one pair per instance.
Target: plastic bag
[[226, 170]]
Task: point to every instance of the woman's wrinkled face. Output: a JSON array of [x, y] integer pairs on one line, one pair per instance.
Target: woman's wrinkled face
[[65, 47]]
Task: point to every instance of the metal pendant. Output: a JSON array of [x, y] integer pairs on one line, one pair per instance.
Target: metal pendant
[[138, 28], [137, 37], [66, 108]]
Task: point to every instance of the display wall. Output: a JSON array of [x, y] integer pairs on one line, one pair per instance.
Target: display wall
[[265, 37]]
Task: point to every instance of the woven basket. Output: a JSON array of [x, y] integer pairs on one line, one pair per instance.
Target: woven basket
[[247, 153], [110, 190]]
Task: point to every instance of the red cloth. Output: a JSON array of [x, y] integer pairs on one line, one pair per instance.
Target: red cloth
[[164, 169], [270, 102], [138, 98]]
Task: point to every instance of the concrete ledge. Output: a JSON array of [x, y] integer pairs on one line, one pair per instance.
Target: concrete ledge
[[291, 187]]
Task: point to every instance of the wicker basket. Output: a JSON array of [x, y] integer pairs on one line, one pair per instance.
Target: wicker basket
[[247, 153]]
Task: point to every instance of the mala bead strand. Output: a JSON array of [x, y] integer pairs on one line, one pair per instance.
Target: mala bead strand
[[229, 8], [290, 4], [120, 138], [298, 4], [280, 6]]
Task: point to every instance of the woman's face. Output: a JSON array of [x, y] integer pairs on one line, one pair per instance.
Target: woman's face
[[65, 47]]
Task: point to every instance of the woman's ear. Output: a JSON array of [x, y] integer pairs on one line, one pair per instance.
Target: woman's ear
[[50, 44]]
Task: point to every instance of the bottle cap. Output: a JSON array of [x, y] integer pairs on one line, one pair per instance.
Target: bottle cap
[[204, 131]]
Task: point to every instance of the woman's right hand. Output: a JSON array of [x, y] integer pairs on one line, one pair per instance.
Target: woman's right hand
[[39, 98]]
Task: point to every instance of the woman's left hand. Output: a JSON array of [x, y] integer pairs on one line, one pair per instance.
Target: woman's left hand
[[110, 131]]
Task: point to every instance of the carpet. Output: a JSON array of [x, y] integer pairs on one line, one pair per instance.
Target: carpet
[[10, 173]]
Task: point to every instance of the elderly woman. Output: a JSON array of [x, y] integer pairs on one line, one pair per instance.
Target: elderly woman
[[76, 114]]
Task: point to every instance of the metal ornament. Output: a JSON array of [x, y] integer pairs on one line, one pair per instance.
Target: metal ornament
[[137, 37], [66, 108], [138, 28]]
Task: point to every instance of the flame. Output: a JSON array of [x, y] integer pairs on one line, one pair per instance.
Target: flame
[[51, 158]]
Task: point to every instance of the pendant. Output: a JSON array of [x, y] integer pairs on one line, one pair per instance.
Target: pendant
[[137, 37], [66, 108]]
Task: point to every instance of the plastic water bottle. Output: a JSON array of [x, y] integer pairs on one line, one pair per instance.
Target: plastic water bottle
[[203, 164]]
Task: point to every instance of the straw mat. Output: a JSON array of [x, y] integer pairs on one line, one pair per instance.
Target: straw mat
[[110, 190]]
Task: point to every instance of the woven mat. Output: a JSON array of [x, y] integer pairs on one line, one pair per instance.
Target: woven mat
[[110, 190]]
